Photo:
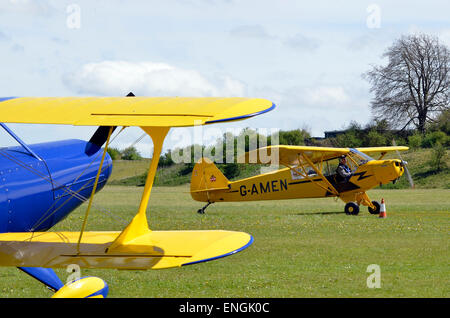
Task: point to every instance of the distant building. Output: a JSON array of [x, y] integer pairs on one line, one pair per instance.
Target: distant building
[[334, 133]]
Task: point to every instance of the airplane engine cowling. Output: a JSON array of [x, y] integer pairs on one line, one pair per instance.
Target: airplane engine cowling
[[35, 195]]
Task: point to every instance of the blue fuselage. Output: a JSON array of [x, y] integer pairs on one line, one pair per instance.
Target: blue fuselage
[[37, 194]]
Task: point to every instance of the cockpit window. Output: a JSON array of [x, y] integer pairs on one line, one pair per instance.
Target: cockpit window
[[359, 157]]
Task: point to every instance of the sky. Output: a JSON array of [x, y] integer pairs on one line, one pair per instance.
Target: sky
[[307, 57]]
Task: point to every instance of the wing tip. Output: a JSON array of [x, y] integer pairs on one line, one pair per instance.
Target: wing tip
[[272, 107], [250, 242]]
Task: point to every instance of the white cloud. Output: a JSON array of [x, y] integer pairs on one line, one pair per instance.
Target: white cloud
[[444, 36], [33, 7], [117, 78], [250, 31], [303, 42], [326, 95], [3, 36]]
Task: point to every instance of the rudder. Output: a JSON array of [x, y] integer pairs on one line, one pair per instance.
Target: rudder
[[206, 177]]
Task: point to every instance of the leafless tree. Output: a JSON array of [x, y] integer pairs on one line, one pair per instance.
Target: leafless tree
[[414, 86]]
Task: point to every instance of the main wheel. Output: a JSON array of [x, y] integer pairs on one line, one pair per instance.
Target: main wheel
[[377, 208], [351, 208]]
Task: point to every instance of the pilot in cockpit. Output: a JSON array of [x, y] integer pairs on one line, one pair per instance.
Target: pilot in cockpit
[[343, 171]]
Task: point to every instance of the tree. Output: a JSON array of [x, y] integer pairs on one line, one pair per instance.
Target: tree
[[293, 137], [437, 155], [414, 86], [131, 153], [114, 153], [166, 160]]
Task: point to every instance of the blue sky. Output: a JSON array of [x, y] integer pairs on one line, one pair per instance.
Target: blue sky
[[307, 57]]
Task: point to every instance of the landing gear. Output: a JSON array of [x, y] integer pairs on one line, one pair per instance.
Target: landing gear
[[377, 208], [202, 210], [351, 208]]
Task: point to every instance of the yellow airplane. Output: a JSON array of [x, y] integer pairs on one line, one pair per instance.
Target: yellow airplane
[[136, 246], [310, 172]]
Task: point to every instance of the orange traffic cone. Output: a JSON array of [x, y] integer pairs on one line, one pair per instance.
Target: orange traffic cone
[[382, 209]]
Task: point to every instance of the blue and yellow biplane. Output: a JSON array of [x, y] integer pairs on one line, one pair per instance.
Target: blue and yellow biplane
[[41, 184]]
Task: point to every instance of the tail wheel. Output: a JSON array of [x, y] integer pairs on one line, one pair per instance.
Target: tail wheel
[[351, 208], [377, 208]]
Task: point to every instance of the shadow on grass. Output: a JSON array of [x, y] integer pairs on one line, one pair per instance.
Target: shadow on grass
[[422, 175], [320, 213]]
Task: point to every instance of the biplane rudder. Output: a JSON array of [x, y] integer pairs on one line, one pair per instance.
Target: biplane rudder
[[206, 178]]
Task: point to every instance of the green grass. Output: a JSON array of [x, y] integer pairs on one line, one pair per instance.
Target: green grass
[[302, 248], [123, 169]]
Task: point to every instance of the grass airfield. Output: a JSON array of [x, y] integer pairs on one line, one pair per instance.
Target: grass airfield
[[302, 248]]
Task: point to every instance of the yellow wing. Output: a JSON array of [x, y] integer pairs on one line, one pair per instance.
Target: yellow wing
[[372, 151], [290, 155], [154, 250], [130, 111], [136, 247]]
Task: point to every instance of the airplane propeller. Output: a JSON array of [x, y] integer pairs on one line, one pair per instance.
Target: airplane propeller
[[100, 136], [404, 165]]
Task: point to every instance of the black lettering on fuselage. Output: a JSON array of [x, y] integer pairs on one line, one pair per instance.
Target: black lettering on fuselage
[[283, 184], [266, 189], [274, 186], [254, 189], [243, 190], [269, 186]]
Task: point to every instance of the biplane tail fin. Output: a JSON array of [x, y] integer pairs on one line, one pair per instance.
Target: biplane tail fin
[[206, 177]]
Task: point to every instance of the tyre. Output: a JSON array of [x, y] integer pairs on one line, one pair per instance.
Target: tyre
[[351, 208], [377, 208]]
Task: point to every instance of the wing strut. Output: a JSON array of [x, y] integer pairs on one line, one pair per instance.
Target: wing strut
[[330, 186], [139, 225], [94, 188]]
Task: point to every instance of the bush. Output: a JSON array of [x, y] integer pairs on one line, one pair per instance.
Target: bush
[[349, 139], [114, 153], [166, 160], [186, 169], [415, 141], [231, 170], [131, 153], [431, 138], [293, 137], [437, 156], [375, 139]]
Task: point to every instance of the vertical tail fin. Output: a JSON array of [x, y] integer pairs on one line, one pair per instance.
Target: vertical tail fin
[[206, 177]]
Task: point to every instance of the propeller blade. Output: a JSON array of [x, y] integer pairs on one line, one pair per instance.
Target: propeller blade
[[404, 165], [100, 136]]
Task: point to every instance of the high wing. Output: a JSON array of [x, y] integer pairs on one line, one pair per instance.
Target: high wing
[[372, 151], [130, 111], [290, 155]]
